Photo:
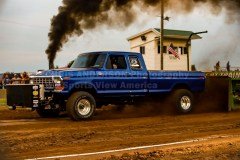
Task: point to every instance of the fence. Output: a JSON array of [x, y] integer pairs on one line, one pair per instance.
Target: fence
[[225, 68], [231, 74]]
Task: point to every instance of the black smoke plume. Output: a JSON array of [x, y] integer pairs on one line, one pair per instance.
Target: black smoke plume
[[75, 16]]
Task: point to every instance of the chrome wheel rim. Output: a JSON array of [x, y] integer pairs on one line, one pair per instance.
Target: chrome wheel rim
[[185, 102], [84, 107]]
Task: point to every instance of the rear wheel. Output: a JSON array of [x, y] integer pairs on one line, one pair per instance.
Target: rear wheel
[[80, 106], [183, 100]]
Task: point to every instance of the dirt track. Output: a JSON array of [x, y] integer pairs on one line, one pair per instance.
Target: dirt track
[[24, 135]]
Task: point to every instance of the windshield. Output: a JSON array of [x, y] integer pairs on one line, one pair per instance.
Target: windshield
[[89, 61]]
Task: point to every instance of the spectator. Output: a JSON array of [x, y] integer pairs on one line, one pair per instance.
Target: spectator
[[16, 79], [193, 68], [6, 80], [217, 67], [25, 78], [1, 85], [228, 67]]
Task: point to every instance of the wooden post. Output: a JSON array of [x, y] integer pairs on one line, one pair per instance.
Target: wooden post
[[162, 33], [188, 59], [188, 44]]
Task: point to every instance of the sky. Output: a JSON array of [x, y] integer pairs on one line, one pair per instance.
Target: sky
[[24, 27]]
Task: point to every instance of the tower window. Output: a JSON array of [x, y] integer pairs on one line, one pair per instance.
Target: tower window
[[164, 49], [142, 49], [185, 50]]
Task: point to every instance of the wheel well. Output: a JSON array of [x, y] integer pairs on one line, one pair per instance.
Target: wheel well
[[85, 88], [181, 86]]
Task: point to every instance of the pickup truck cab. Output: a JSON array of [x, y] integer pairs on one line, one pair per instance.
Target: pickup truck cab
[[102, 78]]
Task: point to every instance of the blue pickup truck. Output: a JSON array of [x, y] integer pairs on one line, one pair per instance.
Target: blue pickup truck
[[101, 78]]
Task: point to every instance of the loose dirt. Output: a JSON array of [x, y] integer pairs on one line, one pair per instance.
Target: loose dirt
[[25, 135]]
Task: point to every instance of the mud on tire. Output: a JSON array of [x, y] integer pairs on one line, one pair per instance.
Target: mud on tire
[[183, 100], [81, 106]]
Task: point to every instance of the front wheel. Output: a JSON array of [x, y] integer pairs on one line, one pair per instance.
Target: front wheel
[[80, 106], [183, 100]]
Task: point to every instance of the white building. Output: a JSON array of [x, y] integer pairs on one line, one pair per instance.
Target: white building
[[148, 44]]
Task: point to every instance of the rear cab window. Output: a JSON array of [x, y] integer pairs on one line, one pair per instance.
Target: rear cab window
[[135, 63]]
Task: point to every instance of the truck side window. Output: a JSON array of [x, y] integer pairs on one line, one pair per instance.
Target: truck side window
[[116, 62], [135, 63]]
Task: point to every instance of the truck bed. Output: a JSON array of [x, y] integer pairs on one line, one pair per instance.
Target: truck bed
[[167, 80]]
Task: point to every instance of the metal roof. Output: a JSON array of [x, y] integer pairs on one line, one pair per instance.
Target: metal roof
[[171, 32], [168, 33]]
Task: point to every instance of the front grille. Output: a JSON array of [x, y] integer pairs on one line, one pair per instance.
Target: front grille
[[46, 81]]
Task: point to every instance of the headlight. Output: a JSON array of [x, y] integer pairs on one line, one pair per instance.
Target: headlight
[[58, 82]]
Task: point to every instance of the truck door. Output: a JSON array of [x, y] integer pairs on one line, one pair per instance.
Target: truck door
[[116, 76], [139, 76]]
